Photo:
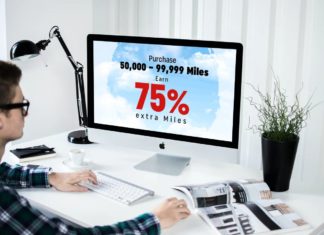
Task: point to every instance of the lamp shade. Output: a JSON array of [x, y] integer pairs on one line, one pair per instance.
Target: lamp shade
[[23, 50]]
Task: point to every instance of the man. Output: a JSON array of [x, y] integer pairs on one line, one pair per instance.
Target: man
[[16, 214]]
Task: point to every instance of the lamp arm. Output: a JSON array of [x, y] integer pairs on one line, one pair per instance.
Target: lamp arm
[[56, 32], [82, 109], [78, 70]]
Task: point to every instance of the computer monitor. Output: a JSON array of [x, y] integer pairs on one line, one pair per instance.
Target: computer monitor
[[170, 89]]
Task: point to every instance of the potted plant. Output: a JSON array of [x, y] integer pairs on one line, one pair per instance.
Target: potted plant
[[280, 126]]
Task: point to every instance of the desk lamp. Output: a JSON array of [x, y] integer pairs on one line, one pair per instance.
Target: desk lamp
[[26, 49]]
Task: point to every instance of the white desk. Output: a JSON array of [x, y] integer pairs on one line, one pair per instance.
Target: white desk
[[89, 209]]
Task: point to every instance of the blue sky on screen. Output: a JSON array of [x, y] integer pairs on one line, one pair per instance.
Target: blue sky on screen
[[210, 98]]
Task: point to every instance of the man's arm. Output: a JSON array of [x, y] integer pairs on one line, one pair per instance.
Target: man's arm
[[23, 177], [18, 217]]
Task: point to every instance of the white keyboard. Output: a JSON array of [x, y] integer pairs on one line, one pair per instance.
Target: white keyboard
[[117, 189]]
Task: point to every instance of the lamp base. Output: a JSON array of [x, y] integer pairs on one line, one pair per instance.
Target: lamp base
[[79, 137]]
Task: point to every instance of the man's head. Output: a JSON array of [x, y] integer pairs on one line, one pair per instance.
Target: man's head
[[10, 76], [11, 103]]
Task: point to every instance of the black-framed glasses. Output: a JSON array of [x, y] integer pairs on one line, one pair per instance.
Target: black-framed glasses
[[24, 106]]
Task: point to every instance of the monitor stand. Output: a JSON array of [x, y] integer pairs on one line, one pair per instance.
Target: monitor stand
[[164, 164]]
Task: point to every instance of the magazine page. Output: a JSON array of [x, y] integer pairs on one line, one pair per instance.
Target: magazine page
[[255, 190], [207, 195], [219, 193], [263, 216]]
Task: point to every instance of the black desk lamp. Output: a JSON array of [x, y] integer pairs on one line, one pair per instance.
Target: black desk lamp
[[26, 49]]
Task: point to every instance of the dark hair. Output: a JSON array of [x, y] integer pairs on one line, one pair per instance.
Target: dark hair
[[10, 76]]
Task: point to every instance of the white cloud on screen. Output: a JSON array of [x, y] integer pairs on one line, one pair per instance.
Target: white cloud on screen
[[221, 127], [208, 110], [173, 51], [101, 72], [109, 108], [223, 63], [114, 109], [128, 79], [130, 52]]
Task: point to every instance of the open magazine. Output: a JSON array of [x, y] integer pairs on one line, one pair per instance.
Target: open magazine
[[242, 207]]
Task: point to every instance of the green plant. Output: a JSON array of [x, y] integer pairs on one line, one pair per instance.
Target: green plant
[[279, 121]]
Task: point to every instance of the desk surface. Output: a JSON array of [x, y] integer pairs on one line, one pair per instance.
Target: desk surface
[[90, 209]]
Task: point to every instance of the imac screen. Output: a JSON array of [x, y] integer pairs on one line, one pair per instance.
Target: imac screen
[[185, 90]]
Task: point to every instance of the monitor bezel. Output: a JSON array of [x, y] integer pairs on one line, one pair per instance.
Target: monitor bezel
[[167, 41]]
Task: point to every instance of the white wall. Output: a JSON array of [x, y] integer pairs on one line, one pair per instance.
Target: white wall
[[286, 35], [51, 89], [311, 154], [3, 42]]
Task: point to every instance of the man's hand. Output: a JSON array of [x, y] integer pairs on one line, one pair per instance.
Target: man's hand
[[171, 211], [69, 182]]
